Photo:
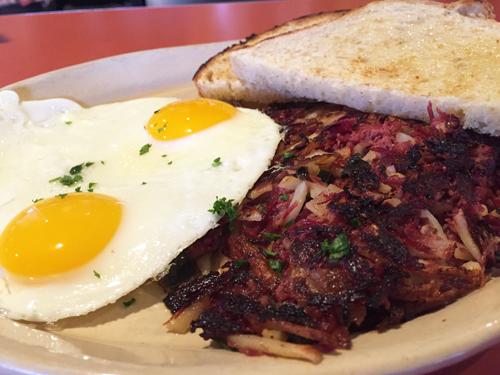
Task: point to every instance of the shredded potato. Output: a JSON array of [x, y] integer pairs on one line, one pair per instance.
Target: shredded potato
[[289, 182], [434, 222], [274, 334], [315, 189], [463, 232], [461, 252], [402, 137], [204, 263], [383, 188], [180, 323], [300, 197], [258, 191], [275, 347]]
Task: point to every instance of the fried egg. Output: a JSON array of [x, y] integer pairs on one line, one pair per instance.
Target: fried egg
[[96, 201]]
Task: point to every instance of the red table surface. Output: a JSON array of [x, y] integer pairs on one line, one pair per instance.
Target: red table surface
[[32, 44]]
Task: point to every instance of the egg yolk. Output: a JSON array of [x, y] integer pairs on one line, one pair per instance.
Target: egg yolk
[[183, 118], [59, 234]]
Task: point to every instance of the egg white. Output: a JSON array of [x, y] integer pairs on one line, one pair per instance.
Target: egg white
[[42, 140]]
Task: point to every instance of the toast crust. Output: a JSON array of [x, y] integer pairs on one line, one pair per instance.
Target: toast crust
[[215, 78]]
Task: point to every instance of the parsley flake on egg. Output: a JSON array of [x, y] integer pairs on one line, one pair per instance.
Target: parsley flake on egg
[[216, 162], [145, 149], [74, 176], [67, 180], [223, 206], [78, 168]]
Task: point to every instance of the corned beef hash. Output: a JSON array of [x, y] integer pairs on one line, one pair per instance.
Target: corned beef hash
[[363, 221]]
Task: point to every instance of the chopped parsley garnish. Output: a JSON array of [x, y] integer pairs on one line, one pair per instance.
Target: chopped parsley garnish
[[102, 161], [155, 112], [78, 168], [270, 253], [239, 263], [263, 209], [62, 195], [91, 187], [288, 224], [144, 183], [283, 197], [68, 122], [356, 223], [37, 200], [162, 128], [128, 303], [272, 302], [338, 248], [97, 275], [144, 149], [223, 206], [164, 156], [272, 236], [169, 162], [67, 180], [78, 189], [276, 265], [216, 162], [287, 155]]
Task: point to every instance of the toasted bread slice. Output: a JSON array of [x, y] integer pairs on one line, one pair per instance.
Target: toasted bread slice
[[215, 78], [391, 57]]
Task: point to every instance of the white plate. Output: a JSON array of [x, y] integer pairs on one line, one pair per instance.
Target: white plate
[[133, 341]]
